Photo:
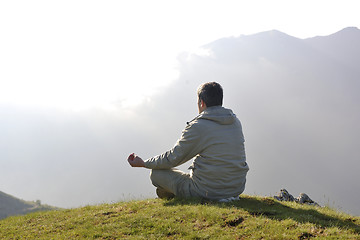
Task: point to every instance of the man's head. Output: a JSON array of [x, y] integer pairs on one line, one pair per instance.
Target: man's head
[[209, 94]]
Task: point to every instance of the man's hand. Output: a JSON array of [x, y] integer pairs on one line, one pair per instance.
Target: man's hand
[[135, 161]]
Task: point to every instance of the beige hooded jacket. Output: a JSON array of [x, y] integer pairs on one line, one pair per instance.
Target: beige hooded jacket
[[215, 140]]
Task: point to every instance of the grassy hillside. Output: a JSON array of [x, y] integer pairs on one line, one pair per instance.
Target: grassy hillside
[[10, 206], [249, 218]]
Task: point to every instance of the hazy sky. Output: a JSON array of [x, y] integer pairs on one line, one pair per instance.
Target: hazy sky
[[81, 86], [79, 54]]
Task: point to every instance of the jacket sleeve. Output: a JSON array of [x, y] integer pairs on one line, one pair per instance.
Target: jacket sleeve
[[185, 149]]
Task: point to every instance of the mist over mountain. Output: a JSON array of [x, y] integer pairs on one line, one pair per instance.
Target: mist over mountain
[[297, 99]]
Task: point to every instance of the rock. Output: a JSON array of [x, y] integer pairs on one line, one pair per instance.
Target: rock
[[303, 198]]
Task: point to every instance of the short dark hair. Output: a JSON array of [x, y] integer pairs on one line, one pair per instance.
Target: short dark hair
[[211, 93]]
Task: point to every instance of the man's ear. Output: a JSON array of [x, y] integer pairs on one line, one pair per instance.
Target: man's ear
[[202, 103]]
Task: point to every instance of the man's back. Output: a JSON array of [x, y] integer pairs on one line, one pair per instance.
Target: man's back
[[219, 168]]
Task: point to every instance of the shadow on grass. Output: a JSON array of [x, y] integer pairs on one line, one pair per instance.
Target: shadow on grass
[[268, 207]]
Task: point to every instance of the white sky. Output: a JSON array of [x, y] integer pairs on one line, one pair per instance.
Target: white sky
[[80, 54]]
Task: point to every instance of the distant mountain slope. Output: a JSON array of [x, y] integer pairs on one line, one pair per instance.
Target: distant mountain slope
[[273, 45], [342, 46], [318, 54], [10, 206]]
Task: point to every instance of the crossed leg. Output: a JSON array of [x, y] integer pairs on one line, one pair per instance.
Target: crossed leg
[[173, 181]]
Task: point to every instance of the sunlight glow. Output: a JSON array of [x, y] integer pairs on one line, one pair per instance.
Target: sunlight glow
[[81, 54]]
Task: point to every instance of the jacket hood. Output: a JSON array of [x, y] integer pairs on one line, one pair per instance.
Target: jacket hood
[[218, 114]]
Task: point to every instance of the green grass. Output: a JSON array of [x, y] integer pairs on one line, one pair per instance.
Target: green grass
[[250, 218]]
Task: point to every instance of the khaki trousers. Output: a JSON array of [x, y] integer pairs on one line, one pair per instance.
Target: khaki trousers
[[174, 181]]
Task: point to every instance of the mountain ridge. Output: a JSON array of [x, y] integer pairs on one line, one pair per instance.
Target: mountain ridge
[[342, 46], [10, 206], [274, 38]]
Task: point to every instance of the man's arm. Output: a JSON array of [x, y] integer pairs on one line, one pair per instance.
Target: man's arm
[[185, 149]]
